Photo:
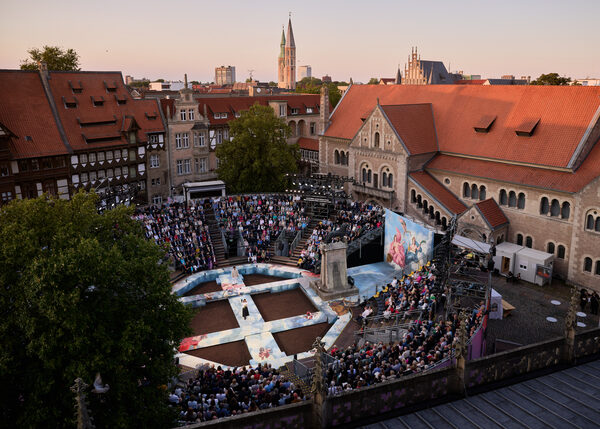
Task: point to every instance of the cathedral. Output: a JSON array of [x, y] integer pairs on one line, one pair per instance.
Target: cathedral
[[286, 63]]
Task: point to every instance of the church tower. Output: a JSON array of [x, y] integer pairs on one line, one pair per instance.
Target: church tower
[[290, 58], [281, 61]]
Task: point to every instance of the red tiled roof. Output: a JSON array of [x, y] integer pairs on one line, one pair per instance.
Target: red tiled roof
[[309, 144], [565, 114], [93, 88], [24, 109], [519, 174], [492, 213], [414, 125], [438, 191]]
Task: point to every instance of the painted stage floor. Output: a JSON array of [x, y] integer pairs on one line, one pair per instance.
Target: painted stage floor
[[254, 331]]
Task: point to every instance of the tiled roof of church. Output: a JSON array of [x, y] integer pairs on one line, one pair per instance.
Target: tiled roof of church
[[438, 191], [309, 144], [565, 114], [414, 125], [491, 213]]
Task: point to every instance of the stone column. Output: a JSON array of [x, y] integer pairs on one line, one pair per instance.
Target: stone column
[[568, 352]]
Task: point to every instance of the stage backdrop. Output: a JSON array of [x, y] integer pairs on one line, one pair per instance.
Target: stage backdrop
[[408, 245]]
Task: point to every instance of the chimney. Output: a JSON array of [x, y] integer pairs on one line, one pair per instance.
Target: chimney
[[324, 109], [43, 68], [185, 80]]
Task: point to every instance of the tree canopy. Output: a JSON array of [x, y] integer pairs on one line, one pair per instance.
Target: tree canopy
[[312, 85], [258, 156], [55, 57], [81, 293], [373, 81], [551, 79]]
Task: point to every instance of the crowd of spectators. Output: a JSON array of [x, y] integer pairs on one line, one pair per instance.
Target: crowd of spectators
[[358, 217], [184, 229], [310, 255], [216, 392], [258, 220]]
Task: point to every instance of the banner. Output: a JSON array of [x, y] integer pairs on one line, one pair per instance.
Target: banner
[[407, 244]]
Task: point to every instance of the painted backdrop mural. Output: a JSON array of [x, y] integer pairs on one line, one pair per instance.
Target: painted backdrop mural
[[408, 245]]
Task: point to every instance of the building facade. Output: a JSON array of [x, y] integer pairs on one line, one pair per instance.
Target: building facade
[[305, 71], [286, 62], [501, 159], [225, 75], [65, 131], [425, 72]]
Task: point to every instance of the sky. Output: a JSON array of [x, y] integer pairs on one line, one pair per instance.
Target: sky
[[344, 39]]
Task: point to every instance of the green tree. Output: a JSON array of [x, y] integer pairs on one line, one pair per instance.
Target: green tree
[[552, 79], [312, 85], [54, 56], [373, 81], [144, 83], [195, 82], [258, 156], [80, 293], [160, 80]]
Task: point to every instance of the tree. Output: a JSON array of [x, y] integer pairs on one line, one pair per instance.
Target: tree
[[258, 156], [54, 56], [551, 79], [81, 293], [143, 83], [195, 82], [312, 85], [373, 81], [160, 80]]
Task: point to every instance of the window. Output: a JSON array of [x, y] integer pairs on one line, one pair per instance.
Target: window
[[554, 208], [201, 137], [132, 155], [376, 140], [369, 176], [521, 201], [217, 116], [565, 211], [544, 206], [117, 172], [223, 115], [124, 154], [92, 157], [100, 156], [503, 198], [117, 154], [84, 177], [597, 228], [364, 175], [83, 158], [282, 110], [187, 166], [156, 182], [219, 136], [183, 115], [561, 252], [597, 272], [132, 138], [482, 192], [6, 196], [336, 156], [177, 141], [132, 171], [295, 111], [109, 173], [512, 199], [179, 167], [384, 179], [154, 161], [520, 239], [156, 199], [191, 114], [550, 248], [587, 265], [312, 128], [466, 190], [343, 158], [226, 133], [309, 110], [109, 155], [589, 224], [4, 170], [474, 192], [101, 174], [196, 139], [201, 165], [35, 164], [185, 140], [413, 196], [529, 242], [153, 138], [93, 176]]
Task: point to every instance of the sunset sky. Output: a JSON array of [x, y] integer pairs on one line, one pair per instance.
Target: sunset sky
[[165, 39]]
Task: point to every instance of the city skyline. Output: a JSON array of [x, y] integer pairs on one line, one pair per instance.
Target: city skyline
[[339, 39]]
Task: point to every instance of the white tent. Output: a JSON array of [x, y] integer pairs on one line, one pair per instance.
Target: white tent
[[477, 246]]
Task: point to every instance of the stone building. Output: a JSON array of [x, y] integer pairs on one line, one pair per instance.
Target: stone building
[[425, 72], [197, 125], [225, 75], [286, 62], [64, 131], [513, 163]]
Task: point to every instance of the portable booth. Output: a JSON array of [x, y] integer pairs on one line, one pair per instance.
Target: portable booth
[[534, 266], [505, 257]]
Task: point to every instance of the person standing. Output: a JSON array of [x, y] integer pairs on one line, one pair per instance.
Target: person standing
[[245, 312]]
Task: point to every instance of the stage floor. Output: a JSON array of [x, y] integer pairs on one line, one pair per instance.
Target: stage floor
[[368, 278]]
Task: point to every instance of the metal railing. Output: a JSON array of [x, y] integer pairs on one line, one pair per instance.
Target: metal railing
[[296, 241], [302, 372], [398, 318], [366, 238]]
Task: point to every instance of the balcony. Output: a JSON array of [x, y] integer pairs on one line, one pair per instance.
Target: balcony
[[373, 192]]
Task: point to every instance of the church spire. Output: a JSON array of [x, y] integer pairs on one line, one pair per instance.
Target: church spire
[[289, 43], [282, 44]]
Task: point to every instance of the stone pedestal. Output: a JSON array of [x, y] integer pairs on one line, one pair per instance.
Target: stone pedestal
[[333, 283]]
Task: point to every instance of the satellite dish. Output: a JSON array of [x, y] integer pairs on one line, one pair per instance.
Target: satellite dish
[[258, 90]]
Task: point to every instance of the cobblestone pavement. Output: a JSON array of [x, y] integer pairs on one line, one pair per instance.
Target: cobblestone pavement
[[527, 323]]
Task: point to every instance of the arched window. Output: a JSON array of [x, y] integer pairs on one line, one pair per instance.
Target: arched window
[[444, 223], [413, 196], [500, 239], [376, 140], [390, 180], [474, 192], [597, 228], [565, 211], [590, 222], [384, 179], [520, 239], [369, 176], [521, 201], [554, 208], [597, 272], [431, 214], [343, 158], [544, 206], [529, 242], [437, 218], [466, 190], [364, 175], [419, 202], [587, 265], [550, 248], [503, 198], [336, 155], [512, 199], [560, 254], [482, 192], [425, 206]]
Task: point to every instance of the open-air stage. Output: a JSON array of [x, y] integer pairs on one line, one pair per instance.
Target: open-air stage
[[285, 313]]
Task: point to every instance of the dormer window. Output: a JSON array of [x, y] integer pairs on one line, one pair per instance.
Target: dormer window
[[309, 110], [70, 102], [484, 124], [527, 128], [97, 101], [76, 87], [110, 87], [152, 116], [121, 99], [295, 111]]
